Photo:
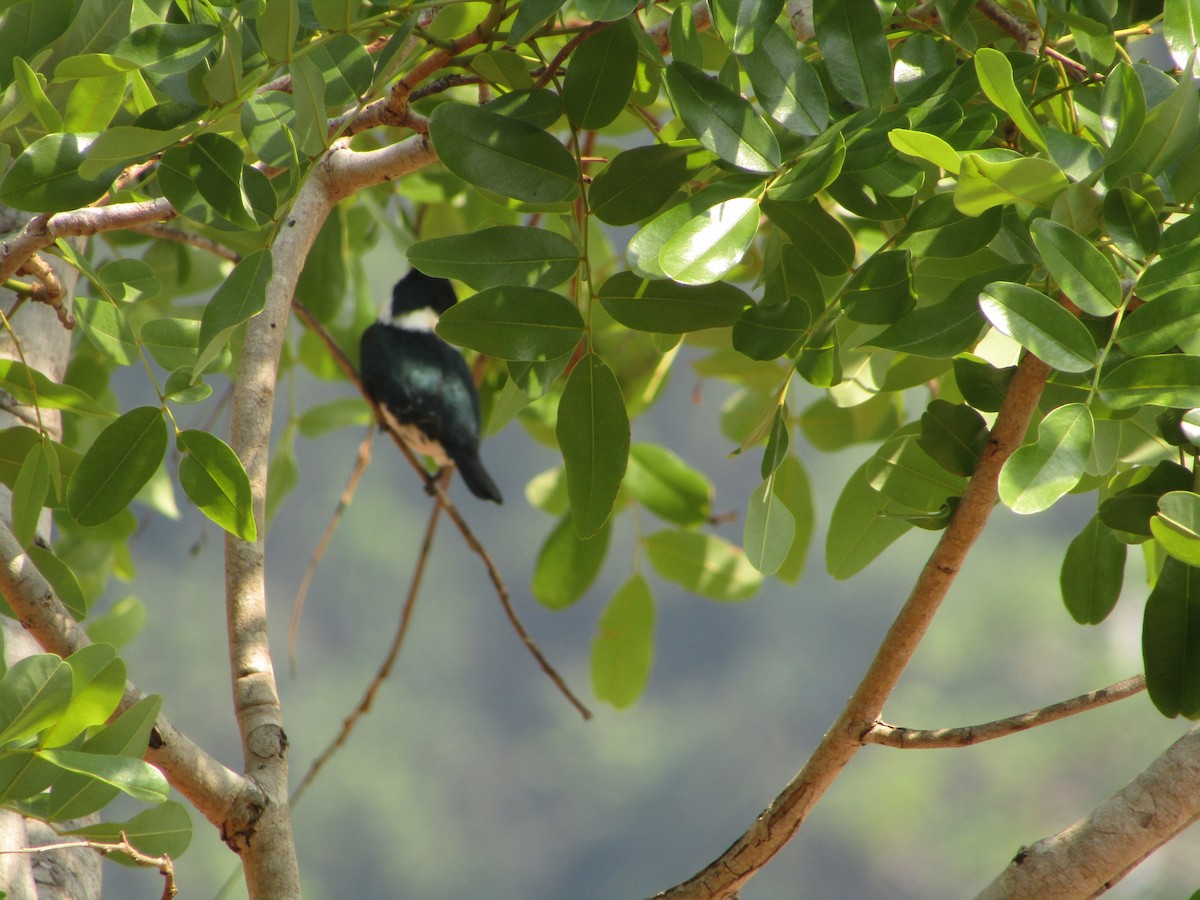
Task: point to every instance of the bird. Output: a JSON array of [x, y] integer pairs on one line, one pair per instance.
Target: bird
[[423, 381]]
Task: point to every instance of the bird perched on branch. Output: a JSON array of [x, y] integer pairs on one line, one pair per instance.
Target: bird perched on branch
[[423, 381]]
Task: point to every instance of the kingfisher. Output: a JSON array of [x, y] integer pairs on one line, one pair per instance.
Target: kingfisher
[[423, 381]]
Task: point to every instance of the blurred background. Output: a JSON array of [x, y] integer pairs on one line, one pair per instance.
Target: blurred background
[[472, 777]]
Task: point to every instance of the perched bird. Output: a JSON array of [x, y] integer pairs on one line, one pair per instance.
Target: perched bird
[[423, 381]]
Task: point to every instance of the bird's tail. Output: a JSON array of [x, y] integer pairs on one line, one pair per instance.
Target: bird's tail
[[477, 479]]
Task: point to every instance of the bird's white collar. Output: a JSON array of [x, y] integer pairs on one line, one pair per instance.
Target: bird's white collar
[[417, 320]]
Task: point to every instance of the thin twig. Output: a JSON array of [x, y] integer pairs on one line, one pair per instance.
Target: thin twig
[[361, 460], [388, 422], [137, 857], [385, 668], [199, 241], [1031, 41], [930, 738]]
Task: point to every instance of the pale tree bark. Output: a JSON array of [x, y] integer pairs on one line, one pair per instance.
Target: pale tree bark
[[45, 345]]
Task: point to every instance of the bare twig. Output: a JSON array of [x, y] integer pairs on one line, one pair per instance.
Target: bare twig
[[385, 668], [50, 291], [137, 857], [922, 739], [361, 460], [1031, 40], [199, 241], [724, 877]]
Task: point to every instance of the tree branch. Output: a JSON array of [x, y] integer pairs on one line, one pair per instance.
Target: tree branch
[[779, 822], [1087, 858], [222, 796], [924, 739]]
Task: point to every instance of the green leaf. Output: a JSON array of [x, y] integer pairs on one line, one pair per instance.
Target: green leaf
[[712, 243], [793, 487], [600, 76], [1040, 325], [863, 525], [1181, 28], [853, 45], [623, 650], [107, 328], [323, 282], [744, 24], [769, 530], [503, 155], [925, 146], [241, 296], [168, 48], [1169, 132], [881, 291], [346, 69], [514, 323], [606, 10], [704, 564], [45, 177], [667, 486], [1083, 272], [129, 280], [1171, 640], [1132, 222], [29, 492], [721, 120], [1177, 525], [161, 830], [1122, 110], [1161, 323], [1093, 571], [323, 418], [953, 435], [117, 465], [645, 246], [134, 777], [812, 171], [504, 254], [593, 433], [567, 564], [819, 237], [1159, 380], [537, 107], [785, 85], [903, 472], [212, 476], [1038, 474], [768, 332], [531, 15], [983, 184], [996, 78], [34, 694], [1130, 509], [637, 182], [34, 96], [61, 578], [98, 679], [120, 624], [666, 307]]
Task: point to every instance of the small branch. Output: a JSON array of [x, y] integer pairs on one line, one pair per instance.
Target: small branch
[[1089, 857], [725, 876], [385, 668], [225, 798], [137, 857], [199, 241], [567, 49], [43, 230], [1031, 40], [50, 290], [925, 739]]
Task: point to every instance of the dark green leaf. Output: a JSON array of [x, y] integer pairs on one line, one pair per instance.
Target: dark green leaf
[[507, 156], [323, 281], [537, 107], [46, 178], [117, 465], [768, 332], [1177, 525], [502, 255], [164, 829], [637, 182], [593, 433], [1130, 509], [670, 308], [514, 323], [29, 492], [623, 650], [881, 291], [1171, 641], [531, 15], [107, 328], [1093, 570], [1083, 273], [938, 229], [1131, 222], [721, 120], [744, 24], [812, 171], [240, 297], [168, 48], [1158, 325], [600, 76], [863, 525], [786, 87], [850, 35], [822, 239], [904, 473], [953, 435]]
